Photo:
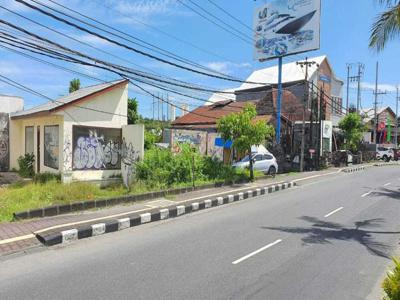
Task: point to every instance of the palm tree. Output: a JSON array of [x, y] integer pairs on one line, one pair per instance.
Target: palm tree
[[387, 25]]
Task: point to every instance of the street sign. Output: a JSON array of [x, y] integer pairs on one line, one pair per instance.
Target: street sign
[[312, 151], [284, 27]]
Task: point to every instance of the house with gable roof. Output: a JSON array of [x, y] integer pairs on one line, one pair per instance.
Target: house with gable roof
[[83, 135]]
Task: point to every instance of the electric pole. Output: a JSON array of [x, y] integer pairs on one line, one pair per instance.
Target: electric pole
[[376, 93], [357, 78], [305, 64], [348, 86], [397, 115]]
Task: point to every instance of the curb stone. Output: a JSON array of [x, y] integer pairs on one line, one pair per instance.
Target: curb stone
[[70, 235], [353, 169]]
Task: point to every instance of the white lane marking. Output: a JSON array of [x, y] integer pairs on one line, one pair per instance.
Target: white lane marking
[[366, 194], [332, 212], [386, 184], [256, 252]]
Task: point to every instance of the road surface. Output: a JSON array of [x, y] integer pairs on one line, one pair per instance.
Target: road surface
[[330, 238]]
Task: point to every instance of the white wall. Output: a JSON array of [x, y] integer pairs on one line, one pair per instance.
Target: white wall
[[9, 104], [115, 101], [17, 139]]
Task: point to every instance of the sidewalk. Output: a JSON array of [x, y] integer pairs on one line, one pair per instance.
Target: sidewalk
[[19, 236]]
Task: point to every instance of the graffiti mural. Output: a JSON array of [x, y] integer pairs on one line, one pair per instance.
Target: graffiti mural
[[96, 148], [196, 138], [4, 143], [51, 146], [212, 149], [67, 153]]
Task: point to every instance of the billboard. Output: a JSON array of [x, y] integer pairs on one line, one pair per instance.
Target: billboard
[[284, 27]]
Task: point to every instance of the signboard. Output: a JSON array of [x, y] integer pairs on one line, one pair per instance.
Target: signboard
[[284, 27], [325, 78]]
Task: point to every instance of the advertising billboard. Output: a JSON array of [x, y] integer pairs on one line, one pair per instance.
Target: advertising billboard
[[284, 27]]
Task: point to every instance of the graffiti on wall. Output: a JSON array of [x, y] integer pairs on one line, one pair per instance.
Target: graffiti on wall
[[4, 143], [196, 138], [213, 150], [129, 157], [51, 146], [96, 148]]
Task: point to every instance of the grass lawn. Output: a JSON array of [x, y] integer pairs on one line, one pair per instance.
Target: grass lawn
[[21, 197]]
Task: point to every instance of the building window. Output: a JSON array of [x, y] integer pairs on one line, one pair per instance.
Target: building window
[[29, 134], [51, 146]]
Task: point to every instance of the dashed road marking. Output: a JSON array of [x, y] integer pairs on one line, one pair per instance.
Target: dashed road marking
[[334, 211], [256, 252]]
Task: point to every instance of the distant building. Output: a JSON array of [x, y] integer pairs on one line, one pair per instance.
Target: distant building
[[386, 133]]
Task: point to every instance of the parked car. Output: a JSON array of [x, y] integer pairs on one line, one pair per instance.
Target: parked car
[[385, 154], [263, 162], [396, 154]]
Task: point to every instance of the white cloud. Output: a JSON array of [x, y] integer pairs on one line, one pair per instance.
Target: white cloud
[[91, 39], [382, 87], [148, 8], [226, 66]]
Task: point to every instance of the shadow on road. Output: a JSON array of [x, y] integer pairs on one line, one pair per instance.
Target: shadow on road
[[323, 232], [395, 194]]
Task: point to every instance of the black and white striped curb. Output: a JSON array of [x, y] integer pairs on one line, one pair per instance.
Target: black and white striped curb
[[65, 236], [383, 164], [353, 169]]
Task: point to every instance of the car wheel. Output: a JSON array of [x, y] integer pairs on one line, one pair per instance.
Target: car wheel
[[385, 158], [272, 171]]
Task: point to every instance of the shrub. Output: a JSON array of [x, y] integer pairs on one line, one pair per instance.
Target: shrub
[[391, 284], [46, 177], [26, 165]]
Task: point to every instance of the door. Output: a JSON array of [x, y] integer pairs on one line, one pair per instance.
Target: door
[[258, 162], [38, 150]]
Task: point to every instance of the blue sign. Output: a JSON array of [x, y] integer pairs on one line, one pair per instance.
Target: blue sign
[[220, 142], [325, 78]]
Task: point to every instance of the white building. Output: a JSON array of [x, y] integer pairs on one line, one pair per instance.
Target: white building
[[82, 135]]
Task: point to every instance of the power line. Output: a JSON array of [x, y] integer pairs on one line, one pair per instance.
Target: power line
[[212, 21], [171, 36], [230, 15], [227, 78], [137, 41]]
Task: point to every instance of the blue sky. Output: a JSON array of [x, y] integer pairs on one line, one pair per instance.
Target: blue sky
[[344, 38]]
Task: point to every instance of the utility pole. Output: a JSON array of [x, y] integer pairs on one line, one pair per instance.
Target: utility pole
[[321, 102], [397, 115], [153, 102], [376, 93], [357, 78], [305, 64], [158, 108], [348, 86]]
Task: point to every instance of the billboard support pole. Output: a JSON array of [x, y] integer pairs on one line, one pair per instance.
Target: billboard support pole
[[278, 104]]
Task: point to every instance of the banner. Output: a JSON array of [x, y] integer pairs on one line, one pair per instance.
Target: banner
[[284, 27]]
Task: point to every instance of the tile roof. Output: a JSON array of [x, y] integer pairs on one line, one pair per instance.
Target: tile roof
[[68, 99], [209, 114]]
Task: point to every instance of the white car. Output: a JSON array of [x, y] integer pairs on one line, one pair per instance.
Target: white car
[[385, 154], [263, 162]]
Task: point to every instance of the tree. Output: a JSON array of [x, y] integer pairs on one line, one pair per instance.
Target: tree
[[133, 115], [74, 85], [387, 25], [244, 131], [353, 129]]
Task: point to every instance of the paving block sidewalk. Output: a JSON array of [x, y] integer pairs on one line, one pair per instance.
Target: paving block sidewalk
[[24, 230]]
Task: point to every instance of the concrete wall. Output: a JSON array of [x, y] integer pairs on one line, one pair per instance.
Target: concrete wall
[[132, 150]]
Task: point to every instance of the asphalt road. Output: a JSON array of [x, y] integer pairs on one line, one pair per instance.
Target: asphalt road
[[327, 239]]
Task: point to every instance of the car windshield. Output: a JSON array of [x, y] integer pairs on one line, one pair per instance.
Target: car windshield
[[245, 159]]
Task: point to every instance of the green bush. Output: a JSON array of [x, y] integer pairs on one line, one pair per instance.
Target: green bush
[[46, 177], [161, 168], [391, 284], [26, 165]]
